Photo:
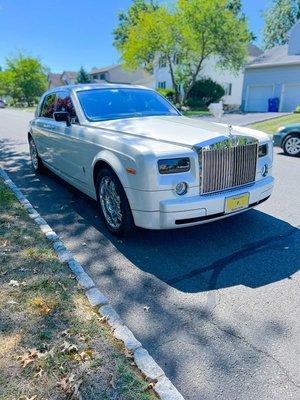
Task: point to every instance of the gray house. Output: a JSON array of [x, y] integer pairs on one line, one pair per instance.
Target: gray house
[[275, 73], [117, 74]]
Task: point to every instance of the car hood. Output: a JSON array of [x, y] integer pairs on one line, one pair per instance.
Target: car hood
[[177, 130]]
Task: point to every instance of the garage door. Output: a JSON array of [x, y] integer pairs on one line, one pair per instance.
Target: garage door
[[258, 98], [290, 98]]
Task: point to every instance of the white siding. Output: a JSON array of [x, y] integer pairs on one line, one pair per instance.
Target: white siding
[[209, 70]]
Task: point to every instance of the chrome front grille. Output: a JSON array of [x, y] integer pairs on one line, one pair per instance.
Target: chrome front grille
[[227, 167]]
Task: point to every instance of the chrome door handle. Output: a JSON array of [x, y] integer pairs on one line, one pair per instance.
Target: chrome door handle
[[47, 126]]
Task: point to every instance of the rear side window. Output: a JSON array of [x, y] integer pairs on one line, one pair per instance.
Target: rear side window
[[48, 106], [64, 103]]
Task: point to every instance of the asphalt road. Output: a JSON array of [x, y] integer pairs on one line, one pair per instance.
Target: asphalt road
[[223, 298]]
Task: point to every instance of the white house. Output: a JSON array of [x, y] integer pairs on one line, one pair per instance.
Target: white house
[[275, 73], [232, 82]]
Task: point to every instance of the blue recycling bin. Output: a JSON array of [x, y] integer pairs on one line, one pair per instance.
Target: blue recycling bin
[[273, 104]]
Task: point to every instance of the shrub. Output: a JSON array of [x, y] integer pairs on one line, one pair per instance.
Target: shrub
[[297, 109], [197, 104], [168, 93], [206, 91]]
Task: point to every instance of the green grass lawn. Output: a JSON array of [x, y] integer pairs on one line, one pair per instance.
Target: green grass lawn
[[273, 124], [53, 344], [195, 113]]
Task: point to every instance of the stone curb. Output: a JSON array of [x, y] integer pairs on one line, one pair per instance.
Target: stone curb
[[146, 364]]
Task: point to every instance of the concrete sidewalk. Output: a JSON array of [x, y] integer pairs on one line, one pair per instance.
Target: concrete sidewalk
[[243, 119]]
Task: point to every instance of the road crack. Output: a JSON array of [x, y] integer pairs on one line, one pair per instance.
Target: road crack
[[257, 349]]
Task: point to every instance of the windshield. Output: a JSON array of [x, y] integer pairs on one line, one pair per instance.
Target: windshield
[[107, 104]]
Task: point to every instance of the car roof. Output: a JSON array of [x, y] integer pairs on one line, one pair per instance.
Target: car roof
[[90, 86]]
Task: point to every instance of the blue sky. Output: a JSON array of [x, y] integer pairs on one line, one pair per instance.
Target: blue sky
[[70, 33]]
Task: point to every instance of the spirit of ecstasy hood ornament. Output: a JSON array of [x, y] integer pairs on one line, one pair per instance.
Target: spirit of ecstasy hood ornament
[[233, 138]]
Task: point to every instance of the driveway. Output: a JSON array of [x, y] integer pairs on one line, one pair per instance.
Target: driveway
[[243, 119], [223, 298]]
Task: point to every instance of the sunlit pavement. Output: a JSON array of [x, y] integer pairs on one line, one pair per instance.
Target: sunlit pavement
[[223, 298]]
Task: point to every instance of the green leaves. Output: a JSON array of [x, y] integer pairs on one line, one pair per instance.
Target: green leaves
[[82, 76], [24, 79], [279, 19], [192, 31]]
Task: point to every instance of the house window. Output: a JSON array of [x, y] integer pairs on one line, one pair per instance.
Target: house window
[[102, 77], [162, 62], [162, 85], [228, 89]]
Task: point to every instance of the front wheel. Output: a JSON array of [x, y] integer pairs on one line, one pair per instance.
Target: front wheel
[[291, 145], [113, 203], [36, 162]]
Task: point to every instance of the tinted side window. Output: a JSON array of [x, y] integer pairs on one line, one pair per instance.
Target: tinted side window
[[64, 103], [48, 106]]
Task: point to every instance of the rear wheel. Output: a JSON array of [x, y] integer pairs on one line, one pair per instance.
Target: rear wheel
[[36, 161], [291, 145], [113, 203]]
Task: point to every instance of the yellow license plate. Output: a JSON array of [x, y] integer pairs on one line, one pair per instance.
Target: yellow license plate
[[236, 203]]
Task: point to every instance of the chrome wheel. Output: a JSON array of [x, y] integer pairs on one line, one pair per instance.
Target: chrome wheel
[[33, 155], [292, 145], [110, 202]]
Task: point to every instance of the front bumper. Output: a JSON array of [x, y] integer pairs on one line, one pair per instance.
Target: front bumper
[[195, 210]]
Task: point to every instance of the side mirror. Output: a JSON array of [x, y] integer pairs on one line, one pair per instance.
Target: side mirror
[[62, 116]]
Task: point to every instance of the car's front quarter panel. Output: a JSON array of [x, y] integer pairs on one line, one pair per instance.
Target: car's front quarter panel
[[140, 157]]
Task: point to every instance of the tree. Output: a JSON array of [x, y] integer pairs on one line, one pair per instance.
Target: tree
[[24, 79], [82, 76], [129, 19], [5, 83], [192, 32], [279, 19], [235, 6]]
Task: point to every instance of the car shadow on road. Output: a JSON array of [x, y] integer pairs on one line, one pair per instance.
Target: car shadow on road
[[190, 339], [251, 249]]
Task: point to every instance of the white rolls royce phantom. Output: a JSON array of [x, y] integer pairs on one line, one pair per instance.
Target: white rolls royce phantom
[[147, 165]]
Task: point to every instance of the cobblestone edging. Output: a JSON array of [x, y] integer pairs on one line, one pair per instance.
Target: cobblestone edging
[[146, 364]]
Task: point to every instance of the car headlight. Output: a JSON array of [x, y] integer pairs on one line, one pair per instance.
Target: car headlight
[[174, 165], [264, 170], [262, 150], [181, 188]]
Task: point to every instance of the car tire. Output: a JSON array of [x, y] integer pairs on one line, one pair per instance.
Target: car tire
[[36, 162], [113, 203], [291, 145]]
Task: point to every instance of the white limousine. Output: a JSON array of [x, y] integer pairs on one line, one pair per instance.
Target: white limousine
[[147, 165]]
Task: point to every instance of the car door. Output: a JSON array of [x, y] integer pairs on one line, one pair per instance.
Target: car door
[[42, 127], [69, 148]]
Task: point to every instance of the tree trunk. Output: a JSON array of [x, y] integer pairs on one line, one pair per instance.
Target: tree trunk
[[175, 87], [193, 80]]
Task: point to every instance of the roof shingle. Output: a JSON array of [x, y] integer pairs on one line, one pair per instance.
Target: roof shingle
[[278, 55]]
